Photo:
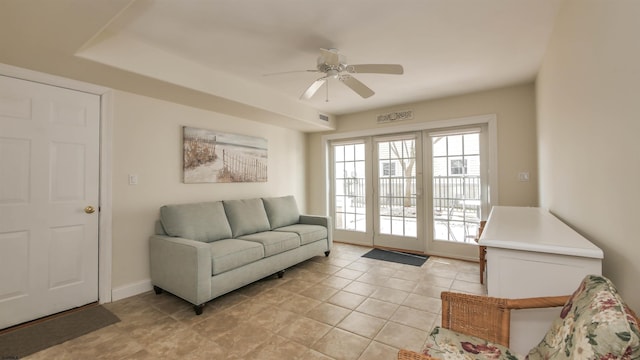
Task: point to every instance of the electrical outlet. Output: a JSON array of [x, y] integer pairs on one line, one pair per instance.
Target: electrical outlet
[[523, 176]]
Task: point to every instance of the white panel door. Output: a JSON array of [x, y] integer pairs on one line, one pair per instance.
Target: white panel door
[[49, 182]]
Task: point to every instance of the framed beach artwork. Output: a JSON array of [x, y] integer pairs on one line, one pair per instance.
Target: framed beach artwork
[[218, 157]]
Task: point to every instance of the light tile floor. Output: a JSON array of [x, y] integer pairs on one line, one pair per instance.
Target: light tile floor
[[337, 307]]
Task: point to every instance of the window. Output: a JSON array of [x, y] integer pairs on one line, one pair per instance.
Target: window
[[457, 188], [397, 198], [349, 186], [459, 167], [388, 169]]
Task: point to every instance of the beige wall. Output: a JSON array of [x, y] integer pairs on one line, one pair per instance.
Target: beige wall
[[515, 110], [588, 104], [147, 141]]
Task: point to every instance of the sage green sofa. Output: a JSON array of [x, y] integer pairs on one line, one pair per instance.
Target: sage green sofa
[[203, 250]]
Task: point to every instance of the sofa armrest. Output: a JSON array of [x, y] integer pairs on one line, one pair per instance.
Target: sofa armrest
[[315, 220], [487, 317], [322, 221], [181, 267]]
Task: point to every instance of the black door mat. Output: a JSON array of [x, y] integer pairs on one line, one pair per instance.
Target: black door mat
[[396, 257]]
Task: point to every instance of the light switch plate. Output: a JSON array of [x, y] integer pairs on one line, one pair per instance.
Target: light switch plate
[[133, 179]]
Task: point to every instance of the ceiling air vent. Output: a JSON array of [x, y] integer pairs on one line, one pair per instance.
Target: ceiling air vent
[[323, 117], [395, 116]]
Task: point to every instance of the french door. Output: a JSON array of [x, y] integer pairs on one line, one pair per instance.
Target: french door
[[458, 198], [351, 186], [423, 191], [397, 206]]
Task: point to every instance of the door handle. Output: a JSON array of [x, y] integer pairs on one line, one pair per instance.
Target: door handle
[[89, 209]]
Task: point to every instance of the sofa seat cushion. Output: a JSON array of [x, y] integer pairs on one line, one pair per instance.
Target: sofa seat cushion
[[204, 222], [281, 211], [246, 216], [274, 242], [447, 344], [307, 233], [229, 254]]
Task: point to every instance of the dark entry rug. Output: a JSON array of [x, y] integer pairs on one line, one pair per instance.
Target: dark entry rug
[[397, 257], [31, 338]]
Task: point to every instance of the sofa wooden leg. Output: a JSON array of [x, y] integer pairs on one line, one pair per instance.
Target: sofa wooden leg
[[157, 290], [280, 274], [326, 253], [198, 309]]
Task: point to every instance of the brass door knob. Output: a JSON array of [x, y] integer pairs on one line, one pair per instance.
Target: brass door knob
[[89, 209]]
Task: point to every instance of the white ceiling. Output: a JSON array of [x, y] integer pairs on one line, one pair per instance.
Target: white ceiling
[[447, 47]]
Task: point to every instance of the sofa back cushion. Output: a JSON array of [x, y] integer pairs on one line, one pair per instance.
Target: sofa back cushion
[[281, 211], [204, 222], [246, 216], [594, 324]]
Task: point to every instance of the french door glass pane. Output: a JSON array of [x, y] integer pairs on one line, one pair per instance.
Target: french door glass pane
[[349, 185], [456, 187], [397, 187]]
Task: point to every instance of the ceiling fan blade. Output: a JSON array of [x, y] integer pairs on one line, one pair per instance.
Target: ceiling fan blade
[[356, 86], [394, 69], [331, 57], [311, 90], [290, 72]]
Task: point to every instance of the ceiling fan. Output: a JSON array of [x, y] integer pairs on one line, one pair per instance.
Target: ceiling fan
[[334, 65]]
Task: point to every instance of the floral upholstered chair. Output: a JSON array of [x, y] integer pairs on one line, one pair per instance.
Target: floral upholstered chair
[[594, 323]]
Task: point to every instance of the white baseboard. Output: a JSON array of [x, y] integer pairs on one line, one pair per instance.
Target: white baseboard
[[123, 292]]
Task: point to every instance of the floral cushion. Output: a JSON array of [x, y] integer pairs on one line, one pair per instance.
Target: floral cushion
[[448, 344], [594, 324]]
